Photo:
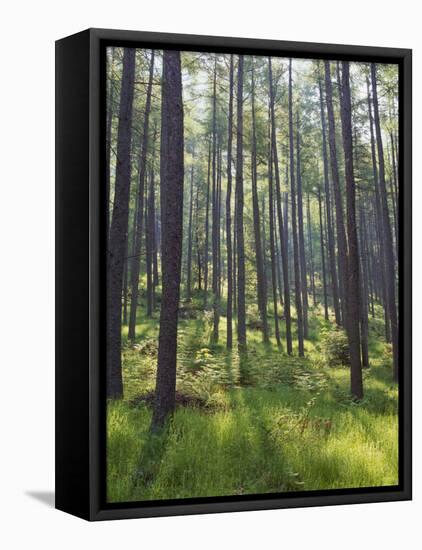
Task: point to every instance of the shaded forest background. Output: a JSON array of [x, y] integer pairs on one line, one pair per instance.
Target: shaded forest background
[[251, 273]]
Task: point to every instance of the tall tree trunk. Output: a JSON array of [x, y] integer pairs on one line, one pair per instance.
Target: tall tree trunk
[[310, 246], [109, 125], [228, 213], [324, 276], [216, 304], [298, 287], [341, 234], [364, 290], [382, 274], [352, 289], [150, 235], [241, 306], [330, 243], [136, 259], [189, 258], [302, 263], [388, 240], [283, 228], [261, 282], [117, 242], [207, 230], [197, 244], [171, 184], [272, 234]]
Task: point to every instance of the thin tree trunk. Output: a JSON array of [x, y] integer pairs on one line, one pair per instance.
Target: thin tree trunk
[[388, 249], [150, 236], [216, 304], [341, 234], [272, 247], [109, 125], [324, 276], [189, 258], [197, 245], [228, 213], [331, 252], [296, 260], [310, 246], [136, 259], [364, 291], [117, 242], [241, 306], [261, 283], [302, 260], [283, 229], [207, 222], [171, 183]]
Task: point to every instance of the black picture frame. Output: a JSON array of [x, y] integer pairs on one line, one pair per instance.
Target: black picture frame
[[80, 395]]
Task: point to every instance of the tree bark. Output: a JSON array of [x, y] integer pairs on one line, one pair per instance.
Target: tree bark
[[261, 282], [302, 257], [117, 242], [171, 184], [341, 234], [272, 246], [150, 234], [298, 287], [215, 220], [136, 259], [241, 306], [324, 276], [352, 289], [388, 240], [207, 223], [283, 229], [228, 212], [189, 256], [331, 252]]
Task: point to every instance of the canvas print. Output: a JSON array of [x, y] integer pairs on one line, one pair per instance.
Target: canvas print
[[252, 217]]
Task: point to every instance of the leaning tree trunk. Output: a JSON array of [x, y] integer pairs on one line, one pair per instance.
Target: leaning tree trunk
[[298, 297], [171, 193], [136, 259], [388, 239], [241, 306], [352, 288], [117, 242], [272, 235]]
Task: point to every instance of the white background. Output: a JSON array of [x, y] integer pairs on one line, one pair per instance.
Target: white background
[[27, 36]]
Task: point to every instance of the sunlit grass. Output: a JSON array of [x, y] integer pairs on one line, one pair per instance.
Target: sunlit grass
[[270, 422]]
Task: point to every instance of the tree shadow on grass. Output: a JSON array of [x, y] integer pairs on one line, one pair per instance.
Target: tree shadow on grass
[[150, 460]]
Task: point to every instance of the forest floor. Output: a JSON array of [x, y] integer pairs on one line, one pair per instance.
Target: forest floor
[[265, 423]]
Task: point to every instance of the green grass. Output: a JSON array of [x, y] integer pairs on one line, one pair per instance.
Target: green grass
[[268, 422]]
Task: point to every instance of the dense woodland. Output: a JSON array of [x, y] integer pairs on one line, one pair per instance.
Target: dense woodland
[[252, 251]]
